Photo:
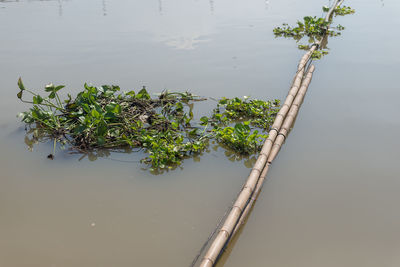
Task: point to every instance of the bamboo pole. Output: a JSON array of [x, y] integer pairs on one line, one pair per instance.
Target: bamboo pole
[[288, 121], [333, 7], [328, 18], [248, 189], [294, 109], [304, 59], [287, 124], [270, 149]]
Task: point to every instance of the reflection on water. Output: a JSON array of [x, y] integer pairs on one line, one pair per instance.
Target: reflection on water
[[160, 7], [60, 3], [104, 8], [186, 42], [212, 6], [104, 4], [266, 4], [33, 137], [171, 32]]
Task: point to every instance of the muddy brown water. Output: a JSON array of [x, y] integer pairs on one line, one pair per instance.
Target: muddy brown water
[[332, 194]]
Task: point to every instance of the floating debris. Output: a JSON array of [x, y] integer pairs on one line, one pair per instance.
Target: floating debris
[[104, 118]]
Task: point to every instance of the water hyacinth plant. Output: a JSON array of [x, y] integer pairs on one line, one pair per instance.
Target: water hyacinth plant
[[314, 28], [344, 10], [105, 118]]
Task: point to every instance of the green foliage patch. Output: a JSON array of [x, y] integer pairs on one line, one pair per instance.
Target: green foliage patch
[[248, 115], [314, 28], [163, 126], [344, 10], [310, 26]]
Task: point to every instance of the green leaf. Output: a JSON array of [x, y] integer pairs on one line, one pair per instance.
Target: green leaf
[[58, 88], [79, 129], [223, 101], [179, 106], [113, 108], [130, 93], [204, 120], [21, 85], [67, 101], [174, 125], [19, 95], [49, 87], [95, 113], [109, 116], [193, 132], [102, 129], [239, 127], [143, 94], [85, 107], [101, 140], [110, 107], [37, 100], [117, 109]]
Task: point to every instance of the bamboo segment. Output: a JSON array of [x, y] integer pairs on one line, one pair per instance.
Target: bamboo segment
[[277, 135], [253, 198], [288, 101], [288, 122], [333, 7], [253, 185], [253, 179], [306, 57], [328, 17]]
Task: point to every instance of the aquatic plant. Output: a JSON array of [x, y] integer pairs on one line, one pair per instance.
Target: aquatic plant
[[310, 26], [345, 10], [105, 118], [317, 54], [240, 138], [259, 113], [314, 28], [232, 118]]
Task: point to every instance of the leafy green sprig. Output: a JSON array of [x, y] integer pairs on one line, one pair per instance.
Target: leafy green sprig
[[237, 123], [344, 10], [314, 28]]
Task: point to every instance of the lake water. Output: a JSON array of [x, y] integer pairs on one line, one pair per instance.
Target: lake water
[[332, 195]]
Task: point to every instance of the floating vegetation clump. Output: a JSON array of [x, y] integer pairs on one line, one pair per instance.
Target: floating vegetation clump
[[105, 118], [310, 26], [261, 113], [344, 10], [248, 115], [315, 29]]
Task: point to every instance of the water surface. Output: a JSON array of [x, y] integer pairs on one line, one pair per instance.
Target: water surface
[[332, 192]]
